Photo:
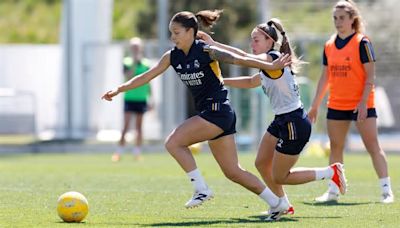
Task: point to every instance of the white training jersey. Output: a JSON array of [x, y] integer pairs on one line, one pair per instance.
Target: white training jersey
[[281, 88]]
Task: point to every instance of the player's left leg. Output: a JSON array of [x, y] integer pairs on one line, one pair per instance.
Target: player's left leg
[[369, 135], [137, 150]]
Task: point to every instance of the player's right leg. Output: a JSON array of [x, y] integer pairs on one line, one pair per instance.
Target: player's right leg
[[337, 131], [263, 164], [193, 130], [121, 145]]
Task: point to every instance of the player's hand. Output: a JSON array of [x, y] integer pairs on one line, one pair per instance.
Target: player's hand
[[312, 114], [361, 111], [205, 37], [110, 94], [281, 62]]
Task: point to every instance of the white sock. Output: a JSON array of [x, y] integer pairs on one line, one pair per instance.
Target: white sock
[[268, 196], [385, 185], [286, 199], [332, 187], [197, 180], [323, 173]]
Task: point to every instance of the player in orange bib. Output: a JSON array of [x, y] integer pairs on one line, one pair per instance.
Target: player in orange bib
[[349, 73]]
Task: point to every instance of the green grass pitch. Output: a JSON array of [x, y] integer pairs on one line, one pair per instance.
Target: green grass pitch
[[152, 193]]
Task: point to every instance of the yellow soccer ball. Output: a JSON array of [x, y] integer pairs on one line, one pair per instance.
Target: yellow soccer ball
[[195, 148], [72, 207]]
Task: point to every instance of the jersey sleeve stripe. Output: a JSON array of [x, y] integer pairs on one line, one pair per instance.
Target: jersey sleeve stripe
[[369, 52]]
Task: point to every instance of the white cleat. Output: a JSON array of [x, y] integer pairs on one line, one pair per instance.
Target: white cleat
[[275, 213], [328, 197], [199, 197], [387, 197], [290, 211]]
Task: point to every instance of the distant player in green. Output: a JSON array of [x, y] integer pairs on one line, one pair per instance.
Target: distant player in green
[[136, 100]]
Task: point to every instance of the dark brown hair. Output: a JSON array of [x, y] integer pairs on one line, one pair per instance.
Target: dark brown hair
[[205, 18]]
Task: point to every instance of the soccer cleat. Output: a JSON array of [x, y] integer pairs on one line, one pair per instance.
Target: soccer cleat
[[199, 197], [290, 211], [338, 177], [387, 197], [138, 157], [328, 197], [115, 157], [275, 213]]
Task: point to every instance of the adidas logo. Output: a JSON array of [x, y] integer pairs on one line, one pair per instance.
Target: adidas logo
[[179, 67], [200, 197]]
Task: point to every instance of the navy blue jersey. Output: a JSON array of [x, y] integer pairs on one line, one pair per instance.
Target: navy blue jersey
[[200, 74], [366, 50]]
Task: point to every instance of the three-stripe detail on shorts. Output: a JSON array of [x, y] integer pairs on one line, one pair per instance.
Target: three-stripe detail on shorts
[[215, 106], [292, 131]]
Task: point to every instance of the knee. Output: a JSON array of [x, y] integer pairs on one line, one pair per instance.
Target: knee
[[278, 179], [263, 166], [233, 174], [170, 144], [260, 164]]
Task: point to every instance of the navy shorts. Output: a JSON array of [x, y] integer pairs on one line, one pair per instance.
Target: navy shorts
[[222, 115], [334, 114], [139, 107], [293, 131]]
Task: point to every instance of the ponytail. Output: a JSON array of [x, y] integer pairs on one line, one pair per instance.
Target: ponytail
[[206, 19], [286, 47]]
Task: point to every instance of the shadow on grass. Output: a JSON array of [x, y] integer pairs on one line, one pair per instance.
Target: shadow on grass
[[334, 203], [224, 222]]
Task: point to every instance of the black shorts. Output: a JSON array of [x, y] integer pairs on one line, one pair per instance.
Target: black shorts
[[293, 131], [222, 115], [138, 107], [334, 114]]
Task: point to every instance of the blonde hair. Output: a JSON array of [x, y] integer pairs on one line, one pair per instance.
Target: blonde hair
[[351, 8], [135, 41]]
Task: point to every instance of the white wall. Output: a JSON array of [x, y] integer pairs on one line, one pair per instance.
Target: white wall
[[37, 69]]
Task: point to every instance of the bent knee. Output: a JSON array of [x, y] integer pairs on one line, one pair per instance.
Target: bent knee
[[279, 179], [233, 174], [170, 144]]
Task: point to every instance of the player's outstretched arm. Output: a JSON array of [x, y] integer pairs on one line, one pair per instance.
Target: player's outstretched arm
[[210, 41], [232, 58], [141, 79], [243, 82]]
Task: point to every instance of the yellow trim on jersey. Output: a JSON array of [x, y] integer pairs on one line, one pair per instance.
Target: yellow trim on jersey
[[215, 68], [273, 74]]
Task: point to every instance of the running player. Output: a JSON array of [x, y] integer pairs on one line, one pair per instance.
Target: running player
[[196, 64], [289, 132]]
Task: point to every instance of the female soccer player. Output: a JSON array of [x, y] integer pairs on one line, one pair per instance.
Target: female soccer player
[[349, 73], [197, 66], [289, 132]]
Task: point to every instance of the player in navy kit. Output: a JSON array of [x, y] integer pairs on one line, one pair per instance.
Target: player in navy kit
[[197, 66], [289, 132]]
